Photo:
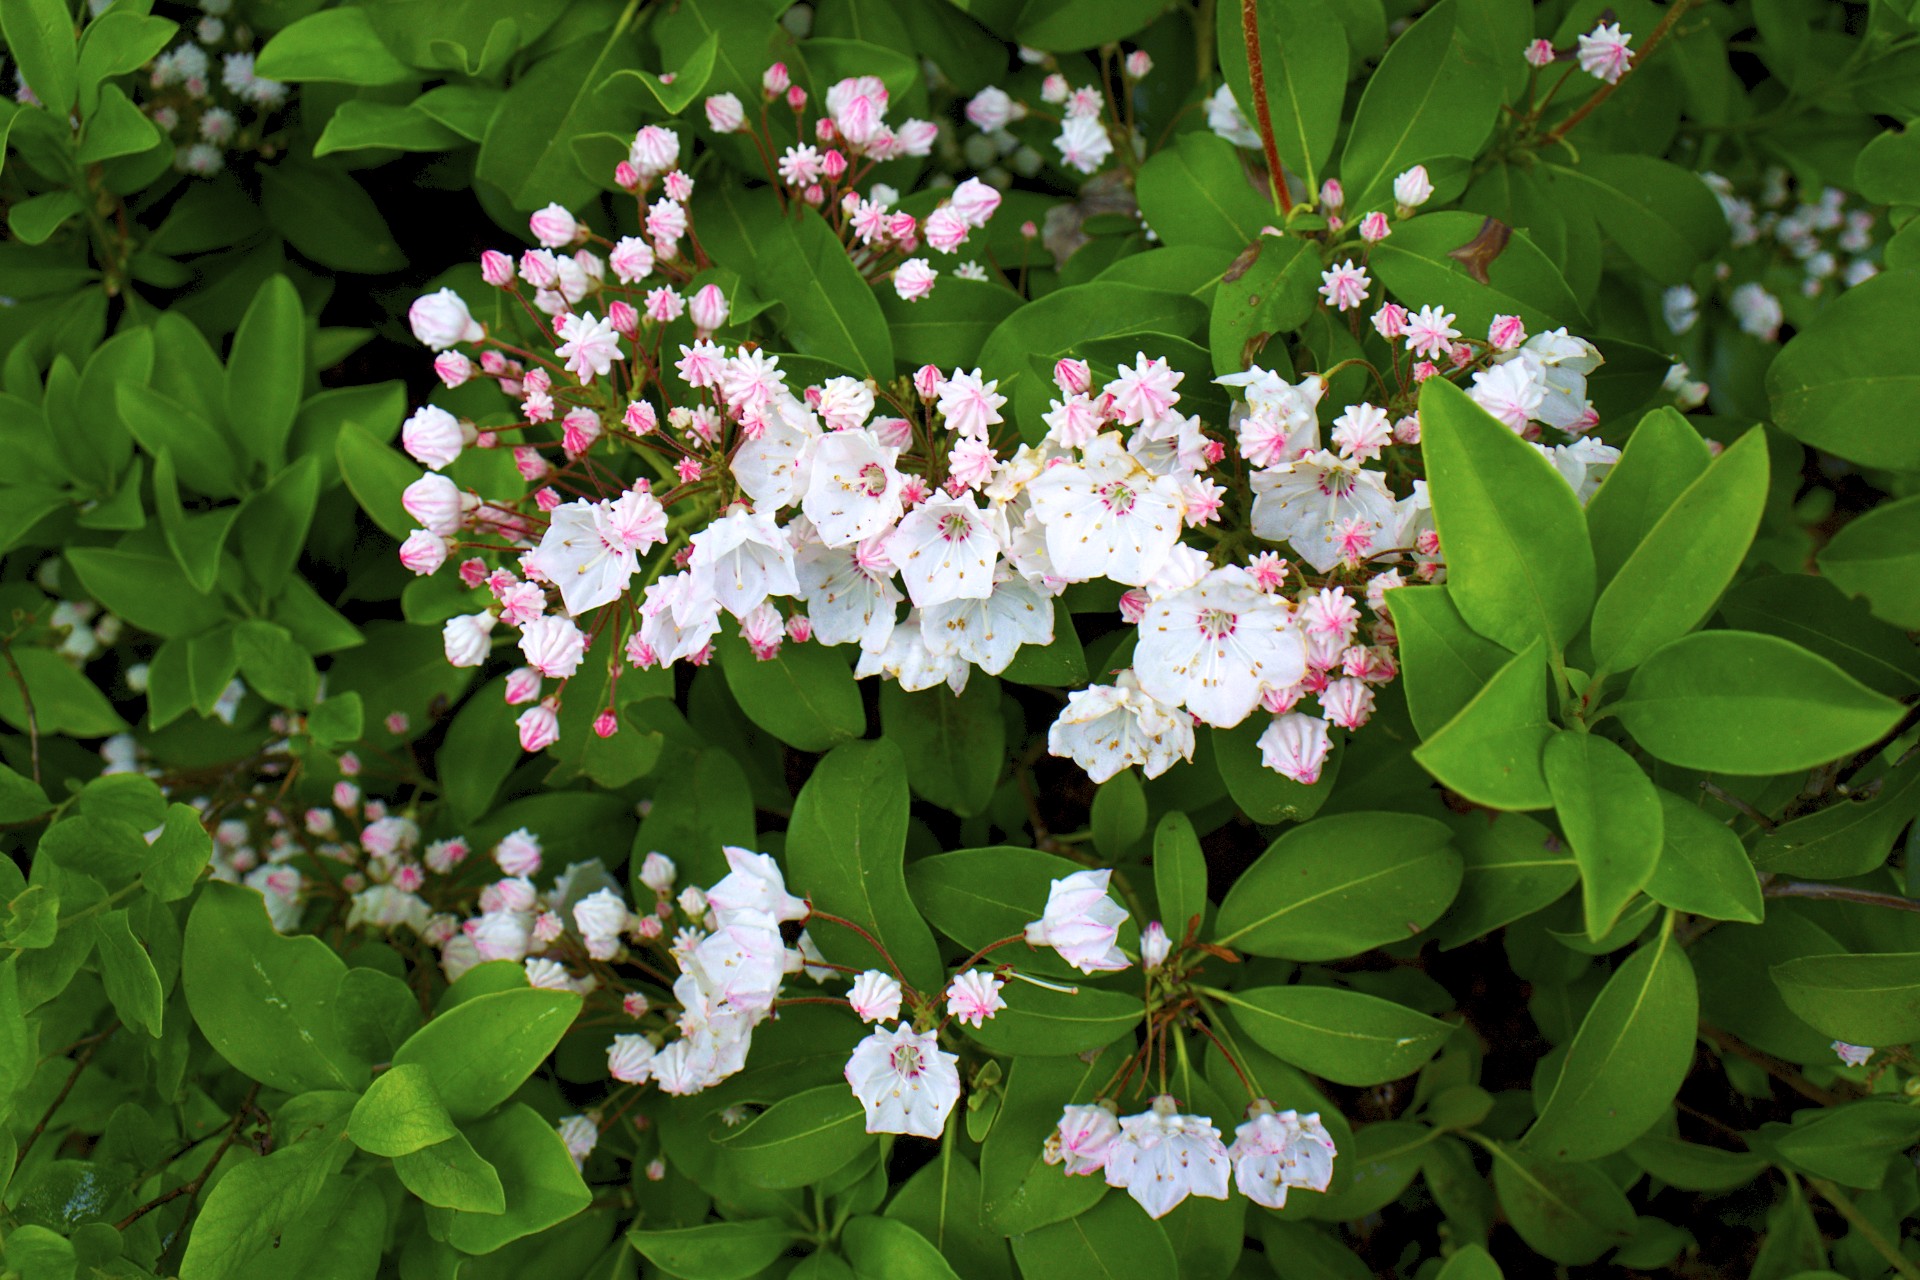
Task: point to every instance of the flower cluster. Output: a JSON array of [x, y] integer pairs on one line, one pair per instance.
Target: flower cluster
[[204, 92], [1092, 120]]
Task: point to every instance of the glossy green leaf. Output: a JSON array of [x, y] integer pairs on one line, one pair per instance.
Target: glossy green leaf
[[1627, 1060], [883, 1249], [1197, 193], [450, 1174], [1611, 815], [1111, 1239], [735, 1250], [1416, 262], [1341, 885], [1303, 54], [799, 1139], [1675, 576], [980, 896], [339, 46], [846, 844], [1877, 556], [1345, 1036], [400, 1113], [1662, 216], [538, 1175], [1179, 874], [804, 695], [1850, 837], [1743, 703], [1491, 751], [831, 312], [1511, 867], [480, 1051], [254, 1202], [1703, 868], [1868, 998], [1443, 661], [1264, 795], [954, 745], [1519, 566], [1571, 1213], [127, 972], [1842, 383], [1044, 1023], [40, 37], [1662, 457]]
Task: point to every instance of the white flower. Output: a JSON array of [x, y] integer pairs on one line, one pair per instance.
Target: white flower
[[1854, 1055], [1562, 363], [1757, 310], [1310, 501], [589, 548], [945, 550], [580, 1135], [849, 592], [1224, 118], [1161, 1157], [974, 996], [1510, 392], [1083, 143], [907, 657], [1215, 646], [441, 319], [875, 996], [845, 403], [1144, 392], [775, 468], [1083, 1138], [590, 346], [905, 1081], [1583, 464], [1680, 308], [1081, 922], [678, 618], [1106, 728], [1107, 516], [1275, 1150], [740, 964], [742, 558], [970, 404], [753, 883], [1362, 432], [854, 492], [1604, 54], [988, 633]]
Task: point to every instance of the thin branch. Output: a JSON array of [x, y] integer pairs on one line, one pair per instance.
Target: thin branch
[[1607, 91], [46, 1117], [1838, 893], [1779, 1070], [192, 1189], [33, 720], [1888, 1249], [1250, 30]]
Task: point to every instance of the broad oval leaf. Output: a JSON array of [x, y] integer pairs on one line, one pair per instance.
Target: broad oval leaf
[[1491, 751], [1113, 1238], [1844, 383], [1877, 556], [1344, 1036], [1661, 458], [1611, 815], [800, 1139], [1047, 1023], [480, 1051], [1443, 661], [803, 695], [734, 1250], [1743, 703], [1627, 1060], [980, 896], [1703, 868], [1869, 998], [1303, 53], [1341, 885]]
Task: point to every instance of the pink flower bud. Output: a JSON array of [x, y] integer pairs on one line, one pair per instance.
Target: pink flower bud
[[708, 308], [432, 436], [1539, 53], [350, 767], [725, 114], [606, 724], [796, 97], [624, 319], [1507, 332], [452, 368], [640, 417], [435, 502], [1073, 377], [423, 552], [913, 279], [815, 195], [654, 151], [893, 433], [522, 687], [927, 380], [346, 796], [1133, 606], [625, 176], [1374, 228], [1390, 321], [1407, 430], [553, 226], [539, 726], [664, 305], [774, 81], [799, 628], [946, 228], [1332, 195], [678, 186], [496, 268], [688, 469], [1139, 63], [439, 320], [548, 498]]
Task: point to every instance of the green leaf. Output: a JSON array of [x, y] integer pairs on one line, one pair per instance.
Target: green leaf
[[274, 522], [1611, 815], [360, 124], [1303, 54], [264, 1001], [542, 1185], [1742, 703], [948, 327], [1675, 576], [400, 1113], [737, 1250], [1571, 1213], [203, 452], [126, 970], [377, 475], [1344, 1036], [328, 217], [1271, 288], [883, 1249], [1870, 998], [196, 541], [804, 695], [980, 896], [1519, 566], [1663, 456], [253, 1202], [267, 370], [1416, 262], [332, 46], [800, 1139], [1627, 1060], [1262, 794], [942, 1203], [1850, 837], [1047, 1023], [147, 589], [481, 1050], [1703, 867], [1443, 661], [115, 43], [275, 665], [35, 219], [846, 844], [1877, 556], [954, 745], [1433, 95], [1853, 1144], [40, 37], [1079, 24], [1888, 168], [1019, 1190], [21, 799], [678, 93], [1693, 1167], [1118, 817], [831, 310], [1814, 614], [452, 1175], [1662, 216], [1179, 874], [1341, 885], [1491, 751], [116, 128], [64, 699], [1197, 193], [1111, 1240], [1470, 1262], [711, 809], [1843, 382]]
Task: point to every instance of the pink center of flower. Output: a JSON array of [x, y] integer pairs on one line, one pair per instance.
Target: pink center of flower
[[955, 527], [906, 1059], [1118, 498], [873, 479], [1216, 624], [1337, 483]]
